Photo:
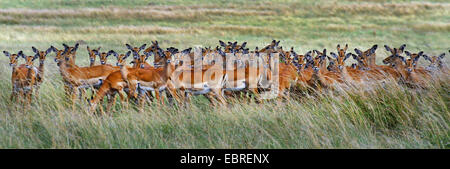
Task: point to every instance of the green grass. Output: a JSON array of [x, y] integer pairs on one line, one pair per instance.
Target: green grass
[[392, 117]]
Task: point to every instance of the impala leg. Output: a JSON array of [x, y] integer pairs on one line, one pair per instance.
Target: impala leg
[[158, 97], [123, 98], [111, 101], [74, 97]]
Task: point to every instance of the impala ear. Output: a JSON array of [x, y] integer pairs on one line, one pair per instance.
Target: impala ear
[[358, 52], [7, 54], [324, 52], [89, 49], [54, 49], [407, 53], [21, 54], [347, 56], [96, 52], [426, 57], [373, 49], [127, 54], [129, 47], [35, 50], [243, 45], [222, 43], [334, 55], [65, 45], [442, 56], [111, 52], [76, 47], [355, 57], [417, 58], [346, 47], [317, 52], [402, 48], [420, 53], [49, 50], [388, 48], [143, 46], [338, 47]]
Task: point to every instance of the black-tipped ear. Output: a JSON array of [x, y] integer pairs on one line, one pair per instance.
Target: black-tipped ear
[[354, 56], [89, 49], [243, 45], [34, 49], [338, 47], [7, 54], [334, 55], [420, 53], [96, 52], [317, 52], [111, 52], [129, 47], [388, 48], [49, 50], [442, 56], [346, 47], [358, 52], [347, 56], [374, 48], [402, 48], [222, 43], [426, 57], [21, 54], [76, 47], [324, 52], [65, 45], [407, 53], [417, 58], [143, 46], [127, 54]]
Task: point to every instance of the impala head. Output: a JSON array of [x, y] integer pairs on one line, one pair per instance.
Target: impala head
[[61, 55], [103, 56], [414, 56], [436, 61], [395, 58], [300, 60], [135, 50], [13, 58], [121, 59], [323, 56], [341, 57], [28, 59], [161, 57], [92, 55], [317, 63], [410, 64], [42, 54], [362, 61], [72, 50], [366, 54]]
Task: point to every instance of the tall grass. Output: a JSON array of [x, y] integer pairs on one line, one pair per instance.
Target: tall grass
[[383, 116], [386, 116]]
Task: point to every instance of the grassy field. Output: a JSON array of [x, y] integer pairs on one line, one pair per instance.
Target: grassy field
[[390, 117]]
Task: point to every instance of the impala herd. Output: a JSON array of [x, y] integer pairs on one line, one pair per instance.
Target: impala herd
[[229, 70]]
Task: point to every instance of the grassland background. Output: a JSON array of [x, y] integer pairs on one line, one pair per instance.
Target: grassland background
[[391, 118]]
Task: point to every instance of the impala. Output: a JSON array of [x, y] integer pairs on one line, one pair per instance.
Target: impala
[[77, 78], [23, 77], [435, 62], [92, 55], [42, 56], [112, 85]]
